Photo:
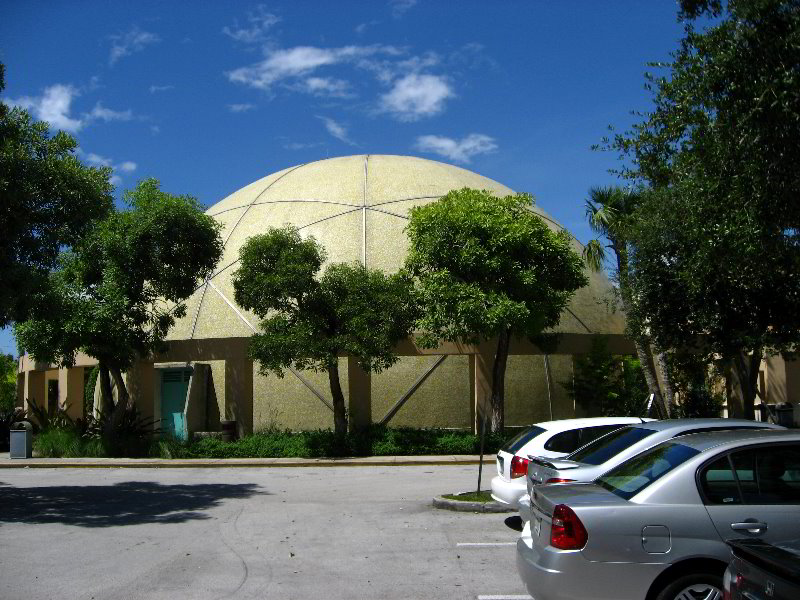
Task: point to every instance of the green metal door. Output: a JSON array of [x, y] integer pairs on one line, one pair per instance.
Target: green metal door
[[174, 387]]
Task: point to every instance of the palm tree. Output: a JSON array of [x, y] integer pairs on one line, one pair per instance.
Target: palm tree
[[609, 211]]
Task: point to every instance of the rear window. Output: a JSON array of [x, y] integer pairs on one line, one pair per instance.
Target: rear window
[[569, 441], [600, 450], [516, 443], [632, 476]]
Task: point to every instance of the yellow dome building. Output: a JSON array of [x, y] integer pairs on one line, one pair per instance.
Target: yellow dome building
[[357, 207]]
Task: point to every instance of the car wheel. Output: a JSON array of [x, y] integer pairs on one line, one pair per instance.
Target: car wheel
[[696, 586]]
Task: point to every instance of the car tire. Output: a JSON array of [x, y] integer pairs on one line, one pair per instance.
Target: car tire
[[694, 586]]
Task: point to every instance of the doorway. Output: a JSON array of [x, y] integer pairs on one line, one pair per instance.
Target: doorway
[[174, 388]]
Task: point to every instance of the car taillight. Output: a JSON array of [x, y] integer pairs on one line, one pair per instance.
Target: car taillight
[[567, 531], [558, 480], [519, 467]]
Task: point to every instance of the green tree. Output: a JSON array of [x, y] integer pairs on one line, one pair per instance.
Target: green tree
[[487, 268], [49, 200], [8, 383], [610, 212], [115, 295], [608, 385], [308, 320], [717, 260]]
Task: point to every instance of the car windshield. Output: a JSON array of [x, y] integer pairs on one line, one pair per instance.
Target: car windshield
[[600, 450], [632, 476], [518, 441]]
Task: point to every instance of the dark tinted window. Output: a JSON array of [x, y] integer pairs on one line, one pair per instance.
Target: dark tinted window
[[566, 441], [600, 450], [766, 475], [777, 478], [518, 441], [635, 474], [569, 441]]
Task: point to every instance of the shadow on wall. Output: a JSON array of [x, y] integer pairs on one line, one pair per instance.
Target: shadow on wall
[[127, 503]]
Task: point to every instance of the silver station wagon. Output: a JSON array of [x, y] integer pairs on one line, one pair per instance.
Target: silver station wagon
[[655, 526]]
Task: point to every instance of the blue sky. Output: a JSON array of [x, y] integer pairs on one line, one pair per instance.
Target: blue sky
[[210, 96]]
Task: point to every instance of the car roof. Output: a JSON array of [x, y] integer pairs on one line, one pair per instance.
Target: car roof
[[566, 424], [714, 439], [679, 425]]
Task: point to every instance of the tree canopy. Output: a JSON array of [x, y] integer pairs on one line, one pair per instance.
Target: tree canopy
[[717, 242], [117, 292], [489, 267], [308, 319], [49, 200]]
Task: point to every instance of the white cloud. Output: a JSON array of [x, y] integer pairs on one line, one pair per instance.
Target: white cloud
[[97, 160], [135, 40], [457, 150], [336, 130], [300, 61], [53, 106], [259, 23], [300, 146], [326, 86], [238, 108], [415, 96], [401, 7], [101, 113], [161, 88], [155, 129]]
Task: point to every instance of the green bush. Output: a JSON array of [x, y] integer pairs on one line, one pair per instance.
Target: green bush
[[57, 443], [376, 441]]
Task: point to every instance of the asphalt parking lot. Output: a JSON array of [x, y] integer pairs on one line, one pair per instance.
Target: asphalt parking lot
[[283, 533]]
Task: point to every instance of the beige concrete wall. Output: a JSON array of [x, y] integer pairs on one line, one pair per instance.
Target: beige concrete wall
[[70, 391], [443, 400], [289, 404], [216, 394], [527, 399]]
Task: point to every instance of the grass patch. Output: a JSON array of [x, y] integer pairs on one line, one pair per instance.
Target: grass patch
[[482, 496]]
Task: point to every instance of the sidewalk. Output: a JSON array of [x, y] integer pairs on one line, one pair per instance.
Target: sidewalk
[[166, 463]]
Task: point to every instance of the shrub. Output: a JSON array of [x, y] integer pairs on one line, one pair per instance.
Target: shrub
[[57, 443]]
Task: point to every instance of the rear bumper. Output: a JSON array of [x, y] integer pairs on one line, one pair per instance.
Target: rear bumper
[[550, 574], [508, 492]]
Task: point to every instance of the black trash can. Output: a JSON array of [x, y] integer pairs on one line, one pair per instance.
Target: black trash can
[[785, 414], [228, 430]]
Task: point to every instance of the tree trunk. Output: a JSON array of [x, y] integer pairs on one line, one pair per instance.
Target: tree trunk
[[669, 391], [339, 410], [497, 422], [106, 394], [124, 399], [646, 362], [746, 368]]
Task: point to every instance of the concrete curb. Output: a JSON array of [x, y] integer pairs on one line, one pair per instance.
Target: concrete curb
[[166, 463], [479, 507]]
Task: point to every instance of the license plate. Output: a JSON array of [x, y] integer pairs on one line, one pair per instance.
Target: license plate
[[537, 526]]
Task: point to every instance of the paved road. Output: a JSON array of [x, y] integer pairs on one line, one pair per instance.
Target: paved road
[[283, 533]]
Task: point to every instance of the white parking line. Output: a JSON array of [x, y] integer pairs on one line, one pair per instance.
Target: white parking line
[[523, 597], [485, 544]]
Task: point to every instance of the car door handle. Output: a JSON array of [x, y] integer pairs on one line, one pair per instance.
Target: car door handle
[[751, 526]]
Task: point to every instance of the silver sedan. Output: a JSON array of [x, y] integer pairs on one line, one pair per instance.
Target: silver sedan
[[655, 526]]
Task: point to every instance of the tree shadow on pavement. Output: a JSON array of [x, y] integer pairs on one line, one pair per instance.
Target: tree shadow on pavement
[[125, 503]]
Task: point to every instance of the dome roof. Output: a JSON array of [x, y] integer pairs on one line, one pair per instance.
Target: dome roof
[[357, 207]]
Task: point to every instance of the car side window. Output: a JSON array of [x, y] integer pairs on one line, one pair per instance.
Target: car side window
[[766, 475], [718, 483], [778, 475], [566, 441]]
